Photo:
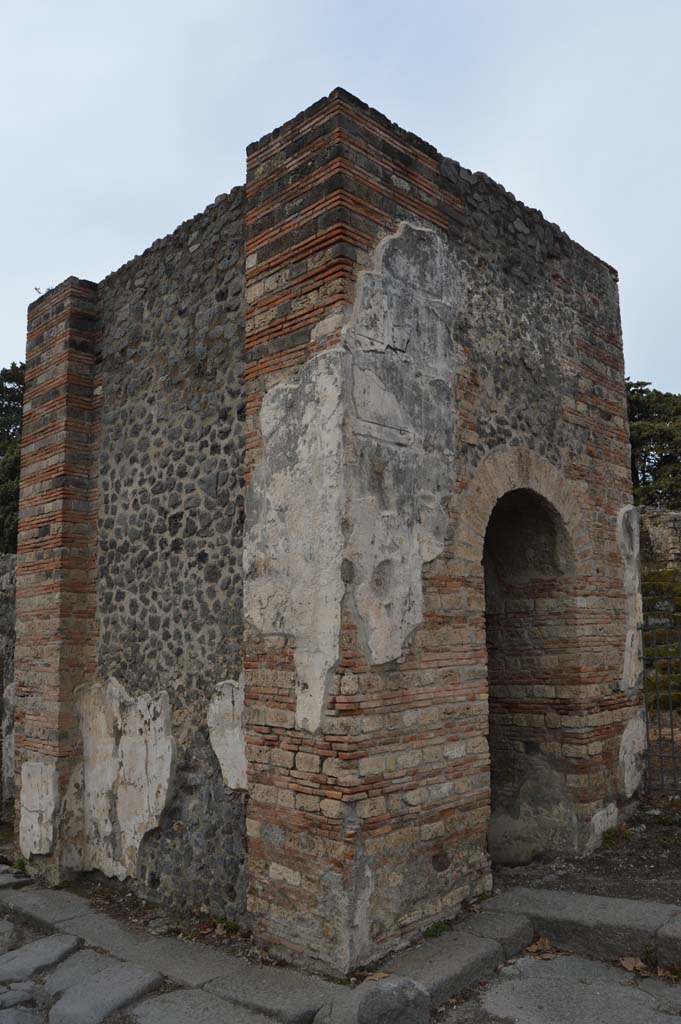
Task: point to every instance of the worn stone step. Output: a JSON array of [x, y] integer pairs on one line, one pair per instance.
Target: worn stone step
[[513, 932], [448, 964], [44, 906], [79, 967], [278, 992], [36, 956], [605, 927], [184, 962], [21, 1015], [669, 943], [193, 1006], [12, 880], [114, 988]]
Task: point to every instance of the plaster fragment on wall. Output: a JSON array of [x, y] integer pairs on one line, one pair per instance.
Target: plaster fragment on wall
[[632, 748], [601, 822], [128, 768], [628, 540], [39, 799], [293, 543], [225, 727], [400, 472]]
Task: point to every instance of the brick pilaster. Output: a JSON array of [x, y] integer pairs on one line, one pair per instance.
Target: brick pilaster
[[56, 624]]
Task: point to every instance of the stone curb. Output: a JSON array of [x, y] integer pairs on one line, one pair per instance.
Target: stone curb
[[602, 927], [418, 979]]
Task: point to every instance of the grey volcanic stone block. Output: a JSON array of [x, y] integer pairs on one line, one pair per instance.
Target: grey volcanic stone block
[[288, 995], [513, 931], [79, 967], [21, 1015], [45, 906], [8, 936], [111, 989], [568, 990], [187, 963], [669, 942], [36, 956], [392, 1000], [599, 926], [102, 931], [449, 963], [193, 1006], [9, 880]]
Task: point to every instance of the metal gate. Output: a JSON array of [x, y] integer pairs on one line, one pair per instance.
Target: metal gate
[[662, 674]]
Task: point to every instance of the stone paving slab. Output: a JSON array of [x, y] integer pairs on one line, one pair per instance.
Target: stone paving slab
[[44, 906], [568, 990], [21, 1015], [279, 992], [79, 967], [448, 964], [8, 936], [36, 956], [669, 943], [605, 927], [114, 988], [186, 963], [513, 932], [8, 880], [192, 1006], [106, 933]]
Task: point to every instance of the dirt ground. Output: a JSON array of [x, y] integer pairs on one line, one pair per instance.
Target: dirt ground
[[641, 859]]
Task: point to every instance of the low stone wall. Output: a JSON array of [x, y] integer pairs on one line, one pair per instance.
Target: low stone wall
[[661, 566], [7, 619]]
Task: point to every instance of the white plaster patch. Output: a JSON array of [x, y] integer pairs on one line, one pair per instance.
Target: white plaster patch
[[400, 472], [39, 800], [128, 768], [632, 748], [225, 728], [602, 820], [293, 543], [628, 540], [357, 465]]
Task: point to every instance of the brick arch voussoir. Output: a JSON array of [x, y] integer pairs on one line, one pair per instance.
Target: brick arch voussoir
[[506, 469]]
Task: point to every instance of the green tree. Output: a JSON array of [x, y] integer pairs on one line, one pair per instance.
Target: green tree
[[655, 427], [11, 400]]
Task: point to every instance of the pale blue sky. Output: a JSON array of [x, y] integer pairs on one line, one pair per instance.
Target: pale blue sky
[[121, 119]]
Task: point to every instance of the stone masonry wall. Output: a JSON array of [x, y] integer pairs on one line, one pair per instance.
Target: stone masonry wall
[[278, 627], [7, 621], [431, 344], [169, 590]]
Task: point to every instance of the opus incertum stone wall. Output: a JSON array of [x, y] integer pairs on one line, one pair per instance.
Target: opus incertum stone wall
[[359, 574]]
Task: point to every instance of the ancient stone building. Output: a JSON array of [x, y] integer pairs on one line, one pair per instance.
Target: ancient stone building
[[328, 572]]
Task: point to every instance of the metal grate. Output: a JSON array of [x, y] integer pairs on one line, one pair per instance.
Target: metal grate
[[662, 673]]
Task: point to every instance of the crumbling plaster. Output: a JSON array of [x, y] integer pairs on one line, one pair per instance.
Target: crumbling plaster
[[39, 804], [225, 728], [350, 497], [127, 774]]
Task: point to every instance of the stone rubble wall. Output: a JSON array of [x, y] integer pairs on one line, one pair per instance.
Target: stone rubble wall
[[169, 589], [7, 639]]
